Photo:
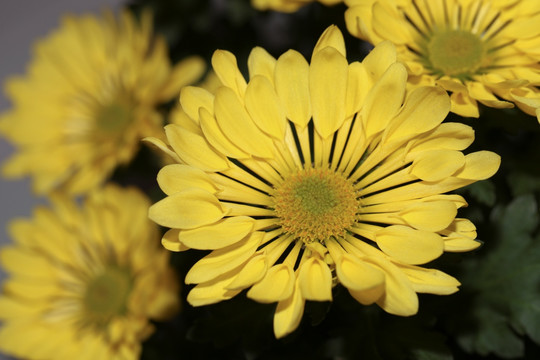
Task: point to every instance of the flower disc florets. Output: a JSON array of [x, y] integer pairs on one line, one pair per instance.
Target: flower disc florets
[[316, 204]]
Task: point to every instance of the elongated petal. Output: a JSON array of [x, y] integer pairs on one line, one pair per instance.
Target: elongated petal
[[289, 313], [328, 87], [315, 280], [223, 260], [251, 273], [192, 98], [277, 285], [184, 142], [170, 241], [260, 62], [292, 86], [226, 68], [187, 209], [265, 108], [430, 215], [384, 100], [430, 280], [212, 291], [408, 245], [357, 275], [217, 235], [217, 138], [176, 177], [238, 126], [332, 37], [480, 165], [437, 165]]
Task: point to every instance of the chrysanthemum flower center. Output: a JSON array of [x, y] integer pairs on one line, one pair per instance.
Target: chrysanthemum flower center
[[316, 204], [113, 118], [106, 295], [455, 53]]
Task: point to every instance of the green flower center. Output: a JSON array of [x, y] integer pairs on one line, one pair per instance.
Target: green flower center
[[113, 118], [316, 204], [107, 294], [455, 53]]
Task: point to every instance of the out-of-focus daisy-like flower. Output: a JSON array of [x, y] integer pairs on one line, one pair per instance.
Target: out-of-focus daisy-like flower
[[479, 50], [84, 281], [313, 175], [288, 5], [89, 96]]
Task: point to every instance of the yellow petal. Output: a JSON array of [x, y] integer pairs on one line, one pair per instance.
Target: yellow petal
[[385, 19], [380, 59], [289, 313], [408, 245], [436, 165], [216, 138], [424, 109], [357, 275], [399, 297], [315, 280], [277, 285], [226, 68], [192, 98], [185, 72], [292, 86], [479, 165], [223, 260], [212, 291], [217, 235], [176, 177], [193, 149], [328, 86], [430, 215], [160, 144], [265, 108], [460, 244], [170, 241], [187, 209], [451, 136], [260, 62], [238, 126], [430, 280], [357, 88], [384, 100], [25, 263], [332, 37], [251, 273]]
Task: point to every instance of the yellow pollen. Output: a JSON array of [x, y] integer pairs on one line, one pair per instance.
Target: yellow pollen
[[455, 53], [316, 204]]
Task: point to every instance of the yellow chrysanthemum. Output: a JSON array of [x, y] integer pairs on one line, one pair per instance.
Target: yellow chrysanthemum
[[89, 96], [84, 281], [310, 175], [288, 5], [479, 50]]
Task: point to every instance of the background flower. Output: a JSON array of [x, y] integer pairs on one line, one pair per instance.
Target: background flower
[[85, 281], [89, 96], [480, 51], [287, 5], [315, 174]]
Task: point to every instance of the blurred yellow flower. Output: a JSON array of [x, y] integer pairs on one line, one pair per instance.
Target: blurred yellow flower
[[482, 51], [310, 175], [89, 96], [288, 5], [84, 281]]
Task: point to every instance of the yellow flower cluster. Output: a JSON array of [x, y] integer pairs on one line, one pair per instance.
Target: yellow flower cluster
[[288, 5]]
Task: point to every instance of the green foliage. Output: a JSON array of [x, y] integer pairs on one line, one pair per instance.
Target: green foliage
[[502, 287]]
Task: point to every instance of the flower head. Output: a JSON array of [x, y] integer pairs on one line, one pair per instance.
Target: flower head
[[482, 51], [85, 281], [89, 96], [288, 5], [317, 174]]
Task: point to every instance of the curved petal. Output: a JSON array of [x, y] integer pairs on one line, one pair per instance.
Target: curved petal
[[251, 273], [315, 280], [218, 235], [436, 165], [277, 285], [289, 313], [187, 209], [408, 245], [430, 215], [177, 177]]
